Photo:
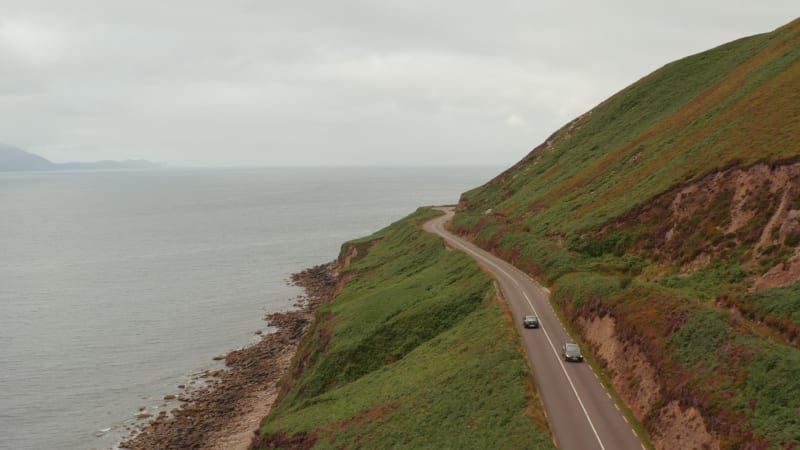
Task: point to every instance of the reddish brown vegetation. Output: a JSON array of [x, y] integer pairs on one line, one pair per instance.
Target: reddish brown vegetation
[[753, 208], [283, 440]]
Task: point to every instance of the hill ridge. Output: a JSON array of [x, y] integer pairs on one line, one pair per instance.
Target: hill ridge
[[671, 209]]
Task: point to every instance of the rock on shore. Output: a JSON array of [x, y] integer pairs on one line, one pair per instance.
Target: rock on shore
[[233, 400]]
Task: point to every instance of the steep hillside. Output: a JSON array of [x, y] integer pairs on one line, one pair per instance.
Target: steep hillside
[[416, 351], [667, 220]]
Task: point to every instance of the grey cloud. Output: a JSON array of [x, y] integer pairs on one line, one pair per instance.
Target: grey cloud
[[319, 82]]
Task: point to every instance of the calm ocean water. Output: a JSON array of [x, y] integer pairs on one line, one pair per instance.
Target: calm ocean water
[[115, 287]]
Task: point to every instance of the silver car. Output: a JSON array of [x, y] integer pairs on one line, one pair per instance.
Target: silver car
[[530, 322]]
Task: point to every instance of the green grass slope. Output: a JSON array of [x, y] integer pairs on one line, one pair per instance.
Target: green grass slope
[[662, 208], [415, 352], [734, 105]]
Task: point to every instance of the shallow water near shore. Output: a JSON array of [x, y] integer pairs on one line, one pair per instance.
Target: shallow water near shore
[[118, 286]]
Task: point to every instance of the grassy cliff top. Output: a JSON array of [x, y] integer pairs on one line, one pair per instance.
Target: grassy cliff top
[[415, 352], [735, 105]]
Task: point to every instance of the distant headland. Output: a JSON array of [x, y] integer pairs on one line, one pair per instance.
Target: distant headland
[[13, 159]]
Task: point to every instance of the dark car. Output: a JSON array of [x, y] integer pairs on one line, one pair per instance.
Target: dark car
[[571, 352], [530, 322]]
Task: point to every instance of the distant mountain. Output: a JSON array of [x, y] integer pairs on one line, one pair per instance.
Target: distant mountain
[[14, 159]]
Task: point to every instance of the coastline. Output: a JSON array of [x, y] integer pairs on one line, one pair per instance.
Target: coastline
[[227, 410]]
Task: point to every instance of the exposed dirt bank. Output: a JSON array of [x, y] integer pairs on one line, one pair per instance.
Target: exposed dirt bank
[[755, 207], [225, 413], [635, 379]]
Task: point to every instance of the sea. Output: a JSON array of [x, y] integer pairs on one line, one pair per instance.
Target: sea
[[116, 287]]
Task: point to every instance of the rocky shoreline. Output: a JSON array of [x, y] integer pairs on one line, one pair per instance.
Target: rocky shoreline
[[226, 410]]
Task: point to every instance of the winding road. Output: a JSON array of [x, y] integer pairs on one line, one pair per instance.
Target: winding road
[[581, 413]]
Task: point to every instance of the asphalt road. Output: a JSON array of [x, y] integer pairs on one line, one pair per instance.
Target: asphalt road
[[581, 413]]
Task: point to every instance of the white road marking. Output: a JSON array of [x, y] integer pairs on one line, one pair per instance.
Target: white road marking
[[487, 260]]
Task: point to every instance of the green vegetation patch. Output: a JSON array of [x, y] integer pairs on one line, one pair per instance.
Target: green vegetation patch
[[709, 281], [779, 302], [584, 288], [779, 308], [415, 352], [552, 260], [697, 343], [735, 373], [771, 394]]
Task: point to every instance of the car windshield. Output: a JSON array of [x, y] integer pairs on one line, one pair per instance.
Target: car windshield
[[573, 348], [529, 318]]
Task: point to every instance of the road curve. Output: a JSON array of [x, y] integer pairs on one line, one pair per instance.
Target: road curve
[[582, 415]]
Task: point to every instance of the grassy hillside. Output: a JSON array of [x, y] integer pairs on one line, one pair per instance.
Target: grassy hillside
[[672, 212], [735, 105], [415, 352]]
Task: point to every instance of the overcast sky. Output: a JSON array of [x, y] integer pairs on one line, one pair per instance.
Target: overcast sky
[[271, 82]]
